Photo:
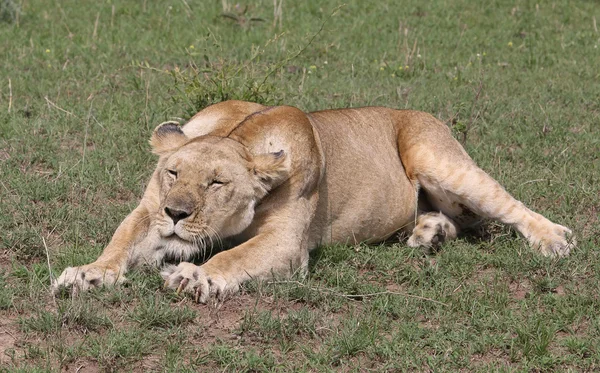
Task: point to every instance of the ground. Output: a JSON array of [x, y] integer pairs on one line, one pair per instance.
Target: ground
[[84, 84]]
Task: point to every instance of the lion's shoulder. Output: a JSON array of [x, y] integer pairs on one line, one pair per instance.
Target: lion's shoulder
[[220, 119]]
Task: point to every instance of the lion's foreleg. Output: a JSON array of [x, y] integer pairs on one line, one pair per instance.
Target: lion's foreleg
[[262, 257], [278, 248], [113, 263]]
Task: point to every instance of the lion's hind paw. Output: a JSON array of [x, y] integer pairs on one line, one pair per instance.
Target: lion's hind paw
[[555, 243]]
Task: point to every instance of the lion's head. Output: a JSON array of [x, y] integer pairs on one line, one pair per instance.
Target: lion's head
[[209, 186]]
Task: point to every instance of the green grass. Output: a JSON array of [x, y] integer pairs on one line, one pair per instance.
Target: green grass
[[84, 84]]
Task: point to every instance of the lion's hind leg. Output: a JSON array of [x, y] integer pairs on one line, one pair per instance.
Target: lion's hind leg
[[465, 193]]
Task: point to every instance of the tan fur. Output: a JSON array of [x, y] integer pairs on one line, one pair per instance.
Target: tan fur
[[272, 183], [432, 230]]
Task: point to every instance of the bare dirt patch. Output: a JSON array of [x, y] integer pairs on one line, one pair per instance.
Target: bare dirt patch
[[5, 261], [4, 155], [492, 358], [82, 365], [9, 338], [519, 289]]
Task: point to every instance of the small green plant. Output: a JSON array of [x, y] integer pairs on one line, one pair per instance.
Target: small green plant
[[534, 341], [9, 11], [45, 322], [155, 312], [76, 314], [117, 347], [355, 335], [6, 293], [214, 81]]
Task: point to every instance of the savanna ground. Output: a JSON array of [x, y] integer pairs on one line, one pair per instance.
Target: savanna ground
[[83, 84]]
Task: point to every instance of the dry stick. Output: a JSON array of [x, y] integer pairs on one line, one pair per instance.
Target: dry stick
[[64, 19], [277, 13], [9, 95], [112, 17], [545, 126], [406, 48], [95, 33], [48, 261], [412, 53], [354, 296], [147, 99], [188, 10], [49, 270], [50, 103]]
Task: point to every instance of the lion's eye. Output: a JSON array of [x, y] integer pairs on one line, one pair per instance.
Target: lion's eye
[[172, 173], [216, 182]]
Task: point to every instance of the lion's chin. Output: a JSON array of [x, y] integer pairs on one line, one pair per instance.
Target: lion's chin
[[177, 247]]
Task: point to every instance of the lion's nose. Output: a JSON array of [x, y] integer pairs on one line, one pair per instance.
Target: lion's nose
[[176, 215]]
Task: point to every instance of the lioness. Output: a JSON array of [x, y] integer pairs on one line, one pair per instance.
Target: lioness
[[273, 183]]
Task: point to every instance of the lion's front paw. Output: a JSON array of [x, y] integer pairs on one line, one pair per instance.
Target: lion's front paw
[[86, 277], [557, 241], [195, 280]]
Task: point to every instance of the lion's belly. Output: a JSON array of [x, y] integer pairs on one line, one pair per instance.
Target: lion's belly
[[348, 216], [365, 195]]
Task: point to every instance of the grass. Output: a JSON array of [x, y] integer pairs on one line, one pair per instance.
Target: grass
[[85, 83]]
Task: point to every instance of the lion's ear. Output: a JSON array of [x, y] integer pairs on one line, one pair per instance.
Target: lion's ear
[[271, 169], [167, 137]]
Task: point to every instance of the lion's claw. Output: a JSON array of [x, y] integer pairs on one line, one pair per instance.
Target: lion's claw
[[86, 277], [182, 285], [194, 280]]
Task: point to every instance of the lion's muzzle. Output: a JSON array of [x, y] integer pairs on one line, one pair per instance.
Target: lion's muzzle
[[177, 214]]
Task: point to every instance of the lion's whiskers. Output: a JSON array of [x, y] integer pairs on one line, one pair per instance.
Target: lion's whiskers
[[217, 235], [198, 241]]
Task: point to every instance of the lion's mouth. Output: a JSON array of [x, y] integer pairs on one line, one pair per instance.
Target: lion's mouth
[[178, 234], [173, 232], [175, 236]]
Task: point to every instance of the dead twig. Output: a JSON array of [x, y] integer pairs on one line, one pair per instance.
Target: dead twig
[[277, 13], [356, 296], [48, 261], [9, 95], [52, 280], [95, 32], [50, 103]]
